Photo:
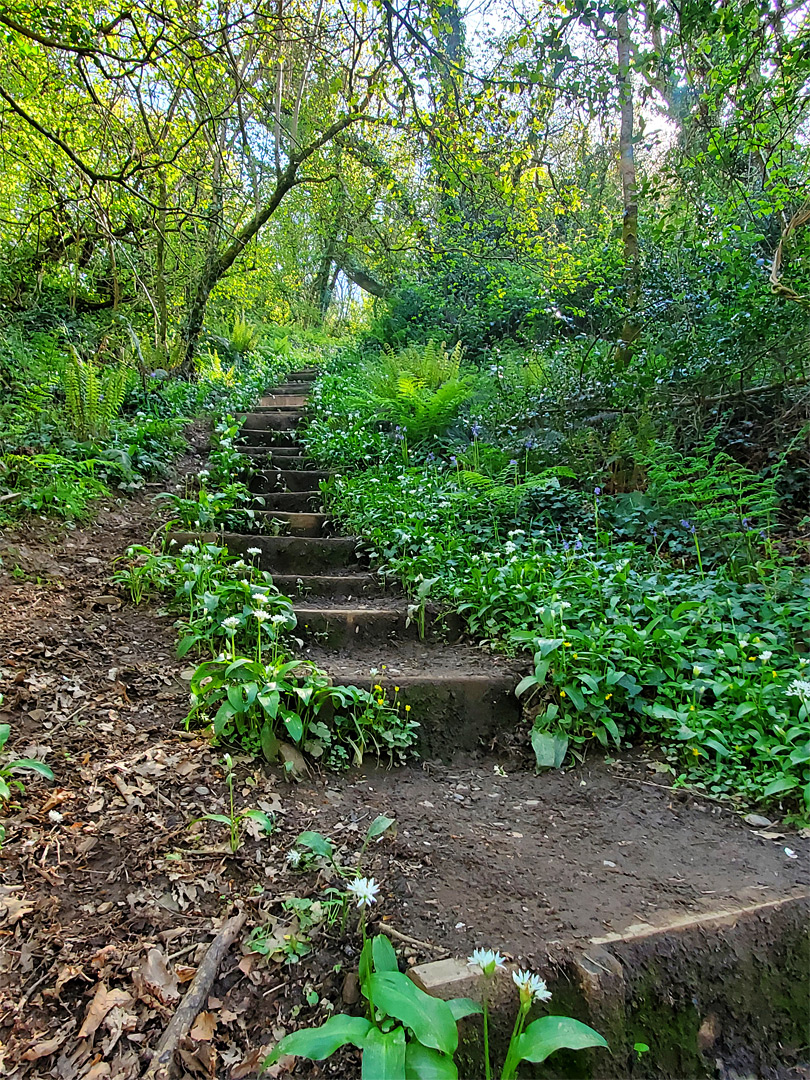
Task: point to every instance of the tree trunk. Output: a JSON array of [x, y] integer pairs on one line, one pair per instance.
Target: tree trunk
[[627, 172], [162, 321]]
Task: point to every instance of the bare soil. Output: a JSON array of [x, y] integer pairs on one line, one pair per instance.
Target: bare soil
[[107, 888]]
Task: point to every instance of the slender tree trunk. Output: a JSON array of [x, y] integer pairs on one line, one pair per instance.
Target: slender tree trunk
[[162, 321], [627, 172]]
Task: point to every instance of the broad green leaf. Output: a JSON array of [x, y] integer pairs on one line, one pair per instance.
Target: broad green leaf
[[384, 1055], [364, 966], [385, 957], [32, 766], [222, 818], [461, 1007], [319, 1043], [295, 727], [186, 644], [575, 694], [5, 731], [549, 750], [379, 825], [525, 684], [224, 713], [429, 1018], [550, 1033], [425, 1063], [236, 699], [782, 783], [317, 843], [262, 818]]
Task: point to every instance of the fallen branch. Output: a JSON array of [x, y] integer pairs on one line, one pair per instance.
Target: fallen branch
[[194, 998], [406, 939], [11, 495]]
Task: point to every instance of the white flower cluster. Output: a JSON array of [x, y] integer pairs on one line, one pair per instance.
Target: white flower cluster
[[364, 890]]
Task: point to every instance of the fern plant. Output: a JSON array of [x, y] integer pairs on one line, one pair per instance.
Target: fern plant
[[710, 490], [421, 390], [93, 396]]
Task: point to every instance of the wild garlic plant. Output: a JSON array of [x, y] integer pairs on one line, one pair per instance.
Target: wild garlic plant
[[232, 819]]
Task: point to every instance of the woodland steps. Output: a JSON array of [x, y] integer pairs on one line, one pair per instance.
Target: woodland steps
[[352, 622]]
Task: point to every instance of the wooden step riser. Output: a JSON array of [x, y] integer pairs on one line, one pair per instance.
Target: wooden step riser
[[287, 554], [454, 713], [294, 523], [280, 401], [262, 423], [296, 480], [332, 586], [345, 630], [301, 502]]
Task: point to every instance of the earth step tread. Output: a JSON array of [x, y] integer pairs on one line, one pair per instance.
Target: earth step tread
[[303, 501], [300, 522], [429, 661], [332, 586]]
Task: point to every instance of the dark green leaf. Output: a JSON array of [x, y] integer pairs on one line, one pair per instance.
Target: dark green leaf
[[425, 1063], [319, 1043], [550, 1033], [429, 1018], [384, 1055]]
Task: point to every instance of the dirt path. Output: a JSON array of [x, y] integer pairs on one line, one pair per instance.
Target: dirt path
[[109, 899]]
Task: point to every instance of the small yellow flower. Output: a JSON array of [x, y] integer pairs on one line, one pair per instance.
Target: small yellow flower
[[608, 697], [396, 689], [562, 693], [774, 675], [407, 708], [752, 658], [691, 708], [575, 656], [380, 701], [567, 644], [695, 751]]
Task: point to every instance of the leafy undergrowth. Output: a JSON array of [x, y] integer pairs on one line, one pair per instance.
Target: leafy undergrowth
[[668, 614], [72, 430]]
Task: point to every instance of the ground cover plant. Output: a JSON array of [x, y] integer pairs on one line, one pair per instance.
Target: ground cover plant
[[670, 613], [249, 687], [73, 429]]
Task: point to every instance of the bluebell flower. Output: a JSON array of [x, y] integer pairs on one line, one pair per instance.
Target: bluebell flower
[[566, 545], [578, 545], [597, 491]]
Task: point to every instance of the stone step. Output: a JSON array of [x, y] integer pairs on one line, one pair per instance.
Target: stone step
[[281, 401], [282, 441], [263, 438], [287, 554], [299, 501], [281, 455], [297, 523], [272, 420], [332, 586], [301, 388], [345, 628], [305, 375], [302, 479], [456, 709]]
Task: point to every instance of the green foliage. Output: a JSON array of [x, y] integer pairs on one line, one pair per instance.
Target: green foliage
[[640, 627], [8, 770], [93, 397], [420, 390], [232, 819], [251, 691]]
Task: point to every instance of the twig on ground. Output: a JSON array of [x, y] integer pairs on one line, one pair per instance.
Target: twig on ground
[[194, 998], [397, 935]]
